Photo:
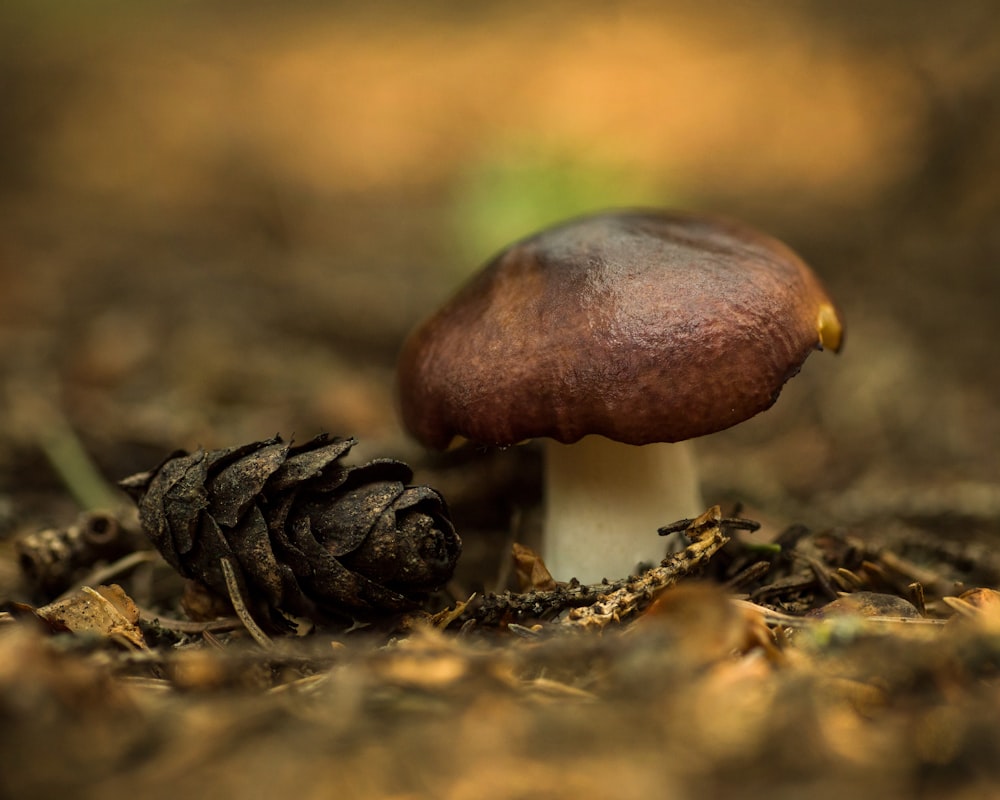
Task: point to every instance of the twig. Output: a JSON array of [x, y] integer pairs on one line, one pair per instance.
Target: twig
[[497, 609], [114, 569], [187, 625], [747, 576], [236, 598], [914, 573], [819, 571], [523, 631], [686, 525], [707, 536]]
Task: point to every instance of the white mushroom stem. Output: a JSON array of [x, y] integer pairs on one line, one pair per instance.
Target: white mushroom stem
[[605, 500]]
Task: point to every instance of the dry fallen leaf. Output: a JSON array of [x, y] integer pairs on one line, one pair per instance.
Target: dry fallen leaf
[[976, 607], [532, 574], [105, 611], [442, 619], [982, 600]]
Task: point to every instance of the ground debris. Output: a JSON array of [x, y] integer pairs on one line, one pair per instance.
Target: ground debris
[[596, 605], [52, 559], [848, 657], [856, 695], [707, 535], [105, 611]]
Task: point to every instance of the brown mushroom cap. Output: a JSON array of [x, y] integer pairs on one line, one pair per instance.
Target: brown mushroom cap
[[641, 326]]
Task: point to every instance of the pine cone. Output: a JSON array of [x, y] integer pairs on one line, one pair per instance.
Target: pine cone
[[304, 533]]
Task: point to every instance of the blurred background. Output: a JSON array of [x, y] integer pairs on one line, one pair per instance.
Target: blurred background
[[219, 221]]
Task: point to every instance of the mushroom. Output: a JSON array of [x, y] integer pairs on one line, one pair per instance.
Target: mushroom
[[618, 337]]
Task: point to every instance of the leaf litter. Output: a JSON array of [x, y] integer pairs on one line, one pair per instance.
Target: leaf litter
[[821, 661]]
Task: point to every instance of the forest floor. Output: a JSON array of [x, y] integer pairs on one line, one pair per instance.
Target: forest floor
[[164, 290]]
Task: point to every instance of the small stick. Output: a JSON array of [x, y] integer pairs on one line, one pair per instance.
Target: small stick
[[820, 571], [917, 596], [916, 574], [187, 625], [707, 536], [751, 574], [684, 525], [239, 606], [104, 574]]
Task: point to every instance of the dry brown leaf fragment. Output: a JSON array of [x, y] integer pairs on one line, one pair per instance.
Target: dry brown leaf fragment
[[532, 574], [106, 611], [986, 600], [442, 619], [125, 605], [977, 606]]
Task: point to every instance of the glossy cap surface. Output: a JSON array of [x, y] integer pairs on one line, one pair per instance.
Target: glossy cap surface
[[641, 326]]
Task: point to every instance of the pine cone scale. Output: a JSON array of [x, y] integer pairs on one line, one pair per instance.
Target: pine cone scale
[[329, 575], [200, 563], [303, 466], [184, 498], [359, 506], [233, 490], [252, 547]]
